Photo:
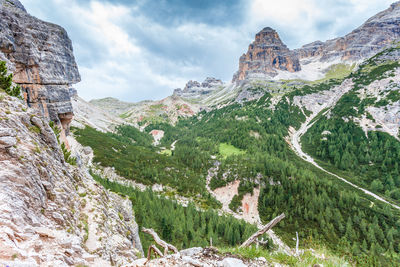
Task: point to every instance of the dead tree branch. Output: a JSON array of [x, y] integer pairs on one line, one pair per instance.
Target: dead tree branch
[[156, 251], [262, 231], [160, 242]]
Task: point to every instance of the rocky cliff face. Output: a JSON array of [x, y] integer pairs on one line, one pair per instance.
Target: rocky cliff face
[[41, 57], [52, 213], [376, 33], [194, 89], [265, 56]]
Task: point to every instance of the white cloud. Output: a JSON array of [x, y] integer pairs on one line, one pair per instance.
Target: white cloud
[[122, 53], [303, 21]]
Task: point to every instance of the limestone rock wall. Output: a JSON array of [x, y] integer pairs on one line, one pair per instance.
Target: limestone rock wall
[[375, 34], [266, 55], [41, 57], [52, 213]]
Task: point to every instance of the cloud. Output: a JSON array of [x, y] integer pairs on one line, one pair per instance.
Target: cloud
[[143, 49], [303, 21]]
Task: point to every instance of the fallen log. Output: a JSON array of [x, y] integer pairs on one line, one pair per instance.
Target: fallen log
[[262, 231], [160, 242]]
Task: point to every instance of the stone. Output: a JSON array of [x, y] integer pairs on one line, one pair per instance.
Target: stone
[[262, 259], [58, 218], [191, 251], [7, 141], [232, 262], [191, 261], [7, 132], [139, 262]]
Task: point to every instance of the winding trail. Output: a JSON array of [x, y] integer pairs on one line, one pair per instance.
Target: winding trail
[[295, 143]]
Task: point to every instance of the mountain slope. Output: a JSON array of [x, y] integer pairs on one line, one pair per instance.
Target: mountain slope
[[53, 213]]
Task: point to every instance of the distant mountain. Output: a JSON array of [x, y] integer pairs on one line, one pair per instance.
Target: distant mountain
[[268, 56]]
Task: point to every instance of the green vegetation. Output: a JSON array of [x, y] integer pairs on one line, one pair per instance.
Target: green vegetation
[[66, 153], [6, 82], [394, 95], [184, 170], [226, 150], [307, 259], [371, 160], [182, 226], [339, 71], [322, 209], [367, 160], [167, 152]]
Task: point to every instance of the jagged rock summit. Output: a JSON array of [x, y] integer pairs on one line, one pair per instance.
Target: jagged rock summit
[[265, 56], [269, 58], [194, 89], [375, 34], [41, 57]]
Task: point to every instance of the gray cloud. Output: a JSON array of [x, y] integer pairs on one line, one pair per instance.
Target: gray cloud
[[143, 49]]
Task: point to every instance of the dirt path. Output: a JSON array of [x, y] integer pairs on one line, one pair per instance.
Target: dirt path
[[295, 137]]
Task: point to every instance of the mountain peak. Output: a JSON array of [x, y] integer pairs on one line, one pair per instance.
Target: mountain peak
[[267, 29], [265, 56], [14, 3]]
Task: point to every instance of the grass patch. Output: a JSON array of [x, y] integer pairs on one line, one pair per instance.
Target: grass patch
[[226, 150], [167, 152], [339, 71]]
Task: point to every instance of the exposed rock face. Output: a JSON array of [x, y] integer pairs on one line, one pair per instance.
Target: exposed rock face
[[51, 213], [99, 118], [266, 55], [168, 109], [201, 257], [194, 89], [41, 57], [375, 34]]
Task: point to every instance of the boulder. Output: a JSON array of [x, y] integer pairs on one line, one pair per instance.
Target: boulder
[[232, 262]]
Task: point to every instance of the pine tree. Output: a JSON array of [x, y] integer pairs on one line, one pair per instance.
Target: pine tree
[[6, 82]]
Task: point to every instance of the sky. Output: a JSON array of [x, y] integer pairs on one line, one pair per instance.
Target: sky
[[136, 50]]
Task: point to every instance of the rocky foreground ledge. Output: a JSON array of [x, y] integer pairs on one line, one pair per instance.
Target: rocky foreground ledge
[[201, 257]]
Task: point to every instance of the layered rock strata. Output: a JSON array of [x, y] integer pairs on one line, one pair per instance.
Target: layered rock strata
[[265, 56], [41, 57], [195, 89], [52, 213], [375, 34]]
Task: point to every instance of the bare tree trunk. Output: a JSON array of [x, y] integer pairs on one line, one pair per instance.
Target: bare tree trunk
[[159, 241], [262, 231]]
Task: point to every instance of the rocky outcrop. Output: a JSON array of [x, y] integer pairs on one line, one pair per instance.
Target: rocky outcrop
[[40, 55], [194, 89], [198, 256], [94, 116], [375, 34], [265, 56], [168, 109], [52, 213]]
